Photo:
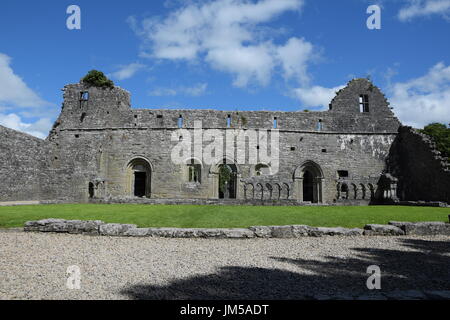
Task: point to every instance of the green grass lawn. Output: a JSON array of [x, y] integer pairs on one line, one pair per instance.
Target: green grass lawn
[[188, 216]]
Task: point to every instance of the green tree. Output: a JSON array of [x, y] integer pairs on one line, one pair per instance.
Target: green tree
[[224, 177], [440, 134], [96, 78]]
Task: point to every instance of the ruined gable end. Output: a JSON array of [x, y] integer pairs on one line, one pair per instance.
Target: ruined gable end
[[360, 96], [88, 106]]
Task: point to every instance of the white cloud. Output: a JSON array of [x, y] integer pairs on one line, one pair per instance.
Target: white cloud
[[294, 57], [127, 71], [423, 8], [13, 90], [316, 96], [416, 102], [16, 95], [39, 129], [230, 37], [195, 91], [423, 100]]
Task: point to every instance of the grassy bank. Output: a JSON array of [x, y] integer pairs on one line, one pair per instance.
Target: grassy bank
[[188, 216]]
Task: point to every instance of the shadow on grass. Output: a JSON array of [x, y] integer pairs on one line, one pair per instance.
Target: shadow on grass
[[424, 266]]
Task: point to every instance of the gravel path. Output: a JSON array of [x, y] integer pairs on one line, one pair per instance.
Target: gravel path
[[33, 266]]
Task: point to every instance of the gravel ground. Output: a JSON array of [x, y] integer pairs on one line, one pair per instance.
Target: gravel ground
[[33, 266]]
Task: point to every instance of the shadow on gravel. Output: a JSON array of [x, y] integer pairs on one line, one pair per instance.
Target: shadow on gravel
[[425, 266]]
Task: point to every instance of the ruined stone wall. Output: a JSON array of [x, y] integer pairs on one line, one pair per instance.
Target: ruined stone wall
[[98, 135], [23, 166], [424, 175]]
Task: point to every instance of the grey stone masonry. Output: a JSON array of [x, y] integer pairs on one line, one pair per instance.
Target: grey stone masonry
[[283, 232], [100, 149], [382, 230], [423, 228]]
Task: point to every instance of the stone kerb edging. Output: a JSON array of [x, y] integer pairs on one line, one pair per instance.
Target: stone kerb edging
[[296, 231]]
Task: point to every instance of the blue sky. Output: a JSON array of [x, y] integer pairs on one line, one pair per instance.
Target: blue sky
[[225, 54]]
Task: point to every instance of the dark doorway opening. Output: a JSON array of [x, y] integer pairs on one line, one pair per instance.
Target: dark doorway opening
[[227, 181], [140, 181], [91, 190], [308, 187]]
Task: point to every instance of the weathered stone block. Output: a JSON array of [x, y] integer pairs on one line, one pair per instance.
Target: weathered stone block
[[382, 230], [114, 229], [319, 232], [238, 233], [262, 231], [423, 228], [41, 225], [301, 231], [83, 227], [137, 232], [283, 232]]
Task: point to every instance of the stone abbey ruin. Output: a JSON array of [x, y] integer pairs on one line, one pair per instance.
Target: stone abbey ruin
[[102, 150]]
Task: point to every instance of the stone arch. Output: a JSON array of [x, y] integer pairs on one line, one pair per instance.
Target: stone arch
[[269, 194], [354, 191], [91, 190], [259, 192], [363, 191], [193, 170], [139, 177], [309, 182], [228, 160], [371, 190], [338, 191], [262, 169], [286, 192], [344, 191], [214, 173], [276, 191], [249, 191]]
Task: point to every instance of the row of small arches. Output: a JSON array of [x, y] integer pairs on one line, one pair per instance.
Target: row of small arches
[[355, 191], [267, 191]]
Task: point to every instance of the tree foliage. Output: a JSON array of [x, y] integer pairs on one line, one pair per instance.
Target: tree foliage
[[440, 134], [224, 177], [96, 78]]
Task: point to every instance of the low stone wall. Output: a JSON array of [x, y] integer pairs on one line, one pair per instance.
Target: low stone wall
[[295, 231]]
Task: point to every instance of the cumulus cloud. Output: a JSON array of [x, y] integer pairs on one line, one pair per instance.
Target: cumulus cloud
[[423, 8], [39, 128], [127, 71], [16, 95], [13, 90], [423, 100], [230, 36], [316, 96], [417, 102], [194, 91]]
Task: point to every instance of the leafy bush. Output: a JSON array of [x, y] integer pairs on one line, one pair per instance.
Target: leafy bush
[[440, 135], [224, 177], [96, 78]]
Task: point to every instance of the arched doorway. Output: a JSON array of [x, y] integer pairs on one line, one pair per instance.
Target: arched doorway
[[227, 181], [308, 182], [308, 186], [91, 190], [139, 175]]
